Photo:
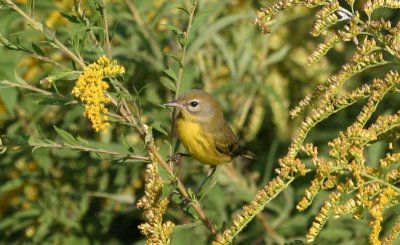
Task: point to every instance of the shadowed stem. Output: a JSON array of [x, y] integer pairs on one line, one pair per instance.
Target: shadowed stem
[[181, 66]]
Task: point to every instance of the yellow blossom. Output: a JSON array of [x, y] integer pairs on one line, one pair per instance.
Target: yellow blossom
[[154, 205], [91, 90]]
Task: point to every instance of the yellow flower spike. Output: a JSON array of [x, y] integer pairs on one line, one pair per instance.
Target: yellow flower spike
[[154, 205], [91, 89]]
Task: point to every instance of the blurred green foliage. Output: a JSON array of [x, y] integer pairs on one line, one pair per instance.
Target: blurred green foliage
[[63, 196]]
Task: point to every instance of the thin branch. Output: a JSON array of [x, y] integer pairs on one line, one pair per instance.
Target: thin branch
[[182, 189], [83, 17], [89, 149], [48, 60], [246, 109], [27, 86], [230, 233], [39, 27], [181, 66], [184, 48], [375, 179], [106, 34]]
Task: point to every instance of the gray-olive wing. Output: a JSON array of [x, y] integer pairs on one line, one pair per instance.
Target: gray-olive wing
[[226, 142]]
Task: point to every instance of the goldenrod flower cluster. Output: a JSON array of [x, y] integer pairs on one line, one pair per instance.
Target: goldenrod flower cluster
[[249, 211], [393, 233], [154, 207], [348, 152], [323, 216], [376, 209], [91, 90], [355, 185]]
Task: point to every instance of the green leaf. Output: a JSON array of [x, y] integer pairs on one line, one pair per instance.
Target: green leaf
[[184, 10], [21, 225], [208, 183], [4, 42], [226, 52], [19, 79], [65, 136], [31, 4], [38, 50], [103, 182], [198, 21], [169, 188], [278, 55], [42, 230], [171, 74], [17, 216], [43, 159], [166, 82], [157, 126], [175, 58], [149, 136], [100, 4], [65, 75], [179, 228], [11, 185], [121, 198], [124, 142], [71, 18], [83, 205], [187, 207], [183, 41], [174, 29], [54, 101], [82, 141], [212, 29]]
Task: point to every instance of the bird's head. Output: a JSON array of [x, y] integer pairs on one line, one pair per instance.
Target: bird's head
[[197, 105]]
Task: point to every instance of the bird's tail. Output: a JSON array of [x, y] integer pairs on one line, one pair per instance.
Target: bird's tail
[[243, 152]]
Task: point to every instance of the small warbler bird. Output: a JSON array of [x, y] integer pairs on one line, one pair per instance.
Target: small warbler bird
[[201, 128]]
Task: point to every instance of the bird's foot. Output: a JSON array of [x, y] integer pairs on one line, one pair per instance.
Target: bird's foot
[[177, 157]]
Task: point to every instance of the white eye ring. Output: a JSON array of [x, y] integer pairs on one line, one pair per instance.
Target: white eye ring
[[193, 103]]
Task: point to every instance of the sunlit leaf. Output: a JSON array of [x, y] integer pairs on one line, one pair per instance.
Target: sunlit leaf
[[67, 137]]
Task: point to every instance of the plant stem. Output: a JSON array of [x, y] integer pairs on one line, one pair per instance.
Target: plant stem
[[39, 27], [184, 48], [181, 66], [106, 34], [373, 178], [182, 189], [88, 149], [230, 233], [26, 86]]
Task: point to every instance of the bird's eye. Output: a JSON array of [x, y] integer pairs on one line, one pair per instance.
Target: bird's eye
[[194, 103]]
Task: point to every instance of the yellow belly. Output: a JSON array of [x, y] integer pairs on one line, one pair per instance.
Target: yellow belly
[[198, 143]]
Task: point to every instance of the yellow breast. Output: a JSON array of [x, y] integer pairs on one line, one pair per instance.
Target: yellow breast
[[198, 143]]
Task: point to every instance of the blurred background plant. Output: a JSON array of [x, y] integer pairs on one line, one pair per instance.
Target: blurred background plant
[[63, 193]]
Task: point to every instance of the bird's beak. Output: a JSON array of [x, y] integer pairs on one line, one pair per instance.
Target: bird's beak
[[173, 104]]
